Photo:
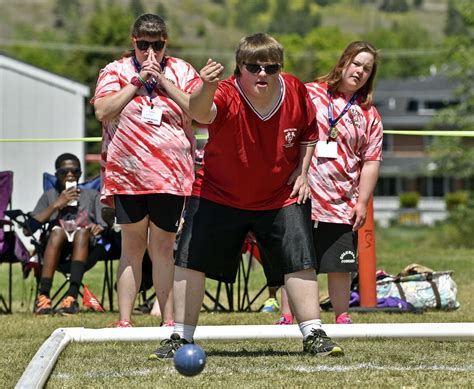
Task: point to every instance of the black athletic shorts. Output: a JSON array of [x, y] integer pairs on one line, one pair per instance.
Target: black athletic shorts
[[213, 235], [336, 248], [163, 209]]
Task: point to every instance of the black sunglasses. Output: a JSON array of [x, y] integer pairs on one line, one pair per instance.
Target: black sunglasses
[[256, 68], [156, 45], [62, 171]]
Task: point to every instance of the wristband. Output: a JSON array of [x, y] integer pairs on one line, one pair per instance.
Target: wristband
[[141, 80], [136, 82]]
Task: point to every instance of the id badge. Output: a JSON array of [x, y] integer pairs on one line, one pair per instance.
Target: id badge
[[326, 149], [152, 115]]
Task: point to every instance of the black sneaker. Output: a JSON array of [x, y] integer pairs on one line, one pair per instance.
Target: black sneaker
[[69, 306], [168, 347], [318, 343]]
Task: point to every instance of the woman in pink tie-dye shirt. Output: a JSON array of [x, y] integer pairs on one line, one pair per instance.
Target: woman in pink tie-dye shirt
[[345, 166], [147, 156]]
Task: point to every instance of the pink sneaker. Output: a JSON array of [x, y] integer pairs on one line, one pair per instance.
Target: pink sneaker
[[285, 319], [123, 324], [169, 323], [343, 318]]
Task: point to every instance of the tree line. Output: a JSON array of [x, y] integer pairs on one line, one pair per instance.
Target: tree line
[[87, 37]]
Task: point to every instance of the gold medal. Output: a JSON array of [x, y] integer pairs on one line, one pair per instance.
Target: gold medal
[[333, 133]]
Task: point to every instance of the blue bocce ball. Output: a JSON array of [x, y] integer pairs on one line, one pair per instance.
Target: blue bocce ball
[[190, 360]]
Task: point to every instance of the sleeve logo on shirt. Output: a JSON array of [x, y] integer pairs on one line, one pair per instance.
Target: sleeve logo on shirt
[[290, 135]]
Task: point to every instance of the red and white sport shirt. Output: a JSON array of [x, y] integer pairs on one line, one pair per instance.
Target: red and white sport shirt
[[335, 181], [249, 158], [143, 158]]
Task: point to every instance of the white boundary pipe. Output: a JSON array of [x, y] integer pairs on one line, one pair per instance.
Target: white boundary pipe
[[38, 370]]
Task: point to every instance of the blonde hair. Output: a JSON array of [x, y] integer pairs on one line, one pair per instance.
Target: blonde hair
[[258, 47], [334, 77]]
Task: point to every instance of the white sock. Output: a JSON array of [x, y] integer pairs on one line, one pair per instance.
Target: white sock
[[184, 331], [307, 326]]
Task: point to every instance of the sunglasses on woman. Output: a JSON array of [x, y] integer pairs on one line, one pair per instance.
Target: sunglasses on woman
[[63, 171], [256, 68], [144, 45]]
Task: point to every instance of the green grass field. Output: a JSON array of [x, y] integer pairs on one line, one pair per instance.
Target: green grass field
[[376, 362]]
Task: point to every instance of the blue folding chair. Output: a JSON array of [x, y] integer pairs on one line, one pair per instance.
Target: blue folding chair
[[50, 181]]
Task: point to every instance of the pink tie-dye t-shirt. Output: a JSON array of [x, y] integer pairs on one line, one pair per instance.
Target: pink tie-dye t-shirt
[[335, 182], [139, 157]]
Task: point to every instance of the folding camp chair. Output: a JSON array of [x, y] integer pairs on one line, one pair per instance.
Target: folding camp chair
[[11, 247], [245, 302]]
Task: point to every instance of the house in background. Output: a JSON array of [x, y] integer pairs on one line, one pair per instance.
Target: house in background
[[37, 104], [410, 104]]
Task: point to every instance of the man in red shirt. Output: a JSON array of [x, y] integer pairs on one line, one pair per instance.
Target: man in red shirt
[[262, 132]]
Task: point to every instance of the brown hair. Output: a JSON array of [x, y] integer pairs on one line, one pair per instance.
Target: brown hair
[[151, 25], [333, 78], [147, 25], [258, 47]]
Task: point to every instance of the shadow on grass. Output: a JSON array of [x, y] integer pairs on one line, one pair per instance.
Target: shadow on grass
[[253, 353]]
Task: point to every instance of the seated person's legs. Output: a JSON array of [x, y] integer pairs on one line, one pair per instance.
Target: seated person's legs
[[56, 240], [79, 255]]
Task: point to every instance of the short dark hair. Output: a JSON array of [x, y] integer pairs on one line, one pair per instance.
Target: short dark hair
[[66, 157]]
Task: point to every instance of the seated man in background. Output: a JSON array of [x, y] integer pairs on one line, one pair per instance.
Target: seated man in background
[[75, 223]]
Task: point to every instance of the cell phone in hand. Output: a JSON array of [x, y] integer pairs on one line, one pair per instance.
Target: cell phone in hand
[[71, 184]]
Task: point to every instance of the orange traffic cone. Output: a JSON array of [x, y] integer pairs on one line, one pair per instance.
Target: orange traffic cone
[[90, 301]]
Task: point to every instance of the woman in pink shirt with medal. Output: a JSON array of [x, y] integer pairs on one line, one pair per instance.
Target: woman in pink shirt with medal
[[345, 166]]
